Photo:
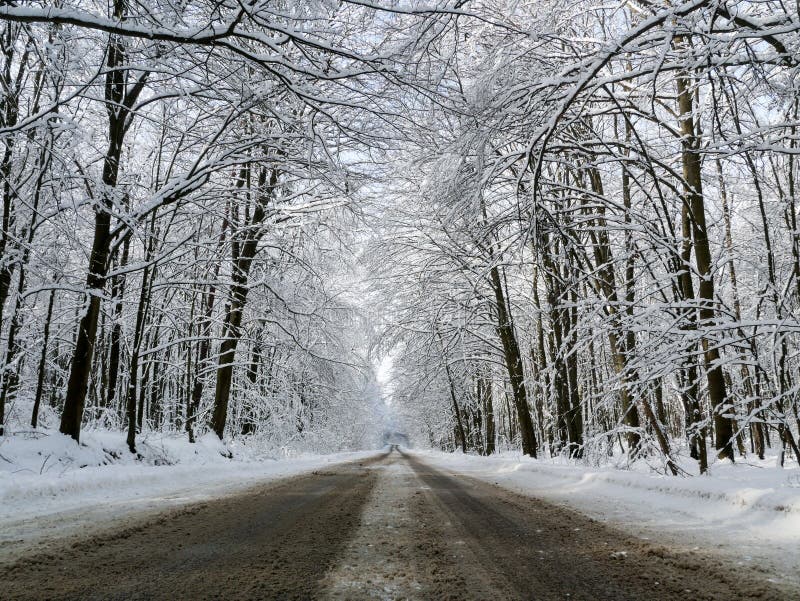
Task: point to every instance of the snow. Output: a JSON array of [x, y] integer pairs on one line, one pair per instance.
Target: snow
[[51, 487], [748, 513]]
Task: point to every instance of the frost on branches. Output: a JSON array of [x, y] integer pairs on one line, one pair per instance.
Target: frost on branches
[[569, 229]]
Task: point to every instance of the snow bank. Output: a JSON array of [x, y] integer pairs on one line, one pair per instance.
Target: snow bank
[[55, 474], [52, 487], [745, 486]]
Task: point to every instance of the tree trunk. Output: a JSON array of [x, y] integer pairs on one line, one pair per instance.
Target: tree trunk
[[694, 416], [693, 189], [242, 261], [9, 115], [117, 292], [119, 101], [37, 399], [138, 336], [513, 362], [485, 395]]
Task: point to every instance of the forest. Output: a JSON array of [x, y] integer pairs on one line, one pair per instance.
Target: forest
[[564, 228]]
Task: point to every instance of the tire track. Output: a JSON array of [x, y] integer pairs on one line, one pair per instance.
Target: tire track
[[276, 543], [529, 549], [388, 528]]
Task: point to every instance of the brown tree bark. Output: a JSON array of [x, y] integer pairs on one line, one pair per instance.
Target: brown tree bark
[[9, 115], [539, 362], [237, 298], [117, 292], [138, 335], [485, 396], [42, 369], [513, 362], [119, 102], [460, 430], [695, 202]]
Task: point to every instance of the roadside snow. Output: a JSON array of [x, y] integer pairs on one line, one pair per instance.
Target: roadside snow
[[51, 488], [749, 513]]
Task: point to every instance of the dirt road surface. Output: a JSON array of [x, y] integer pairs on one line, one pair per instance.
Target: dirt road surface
[[388, 528]]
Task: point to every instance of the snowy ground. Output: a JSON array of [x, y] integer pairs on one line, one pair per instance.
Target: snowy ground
[[51, 488], [748, 513]]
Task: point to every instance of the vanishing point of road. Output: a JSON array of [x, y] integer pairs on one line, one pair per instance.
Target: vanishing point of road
[[387, 528]]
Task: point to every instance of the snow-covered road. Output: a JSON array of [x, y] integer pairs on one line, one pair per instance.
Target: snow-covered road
[[389, 526]]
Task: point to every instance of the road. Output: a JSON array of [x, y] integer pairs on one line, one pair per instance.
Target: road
[[387, 528]]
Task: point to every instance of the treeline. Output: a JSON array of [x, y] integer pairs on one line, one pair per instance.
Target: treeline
[[176, 202], [599, 251], [586, 221]]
